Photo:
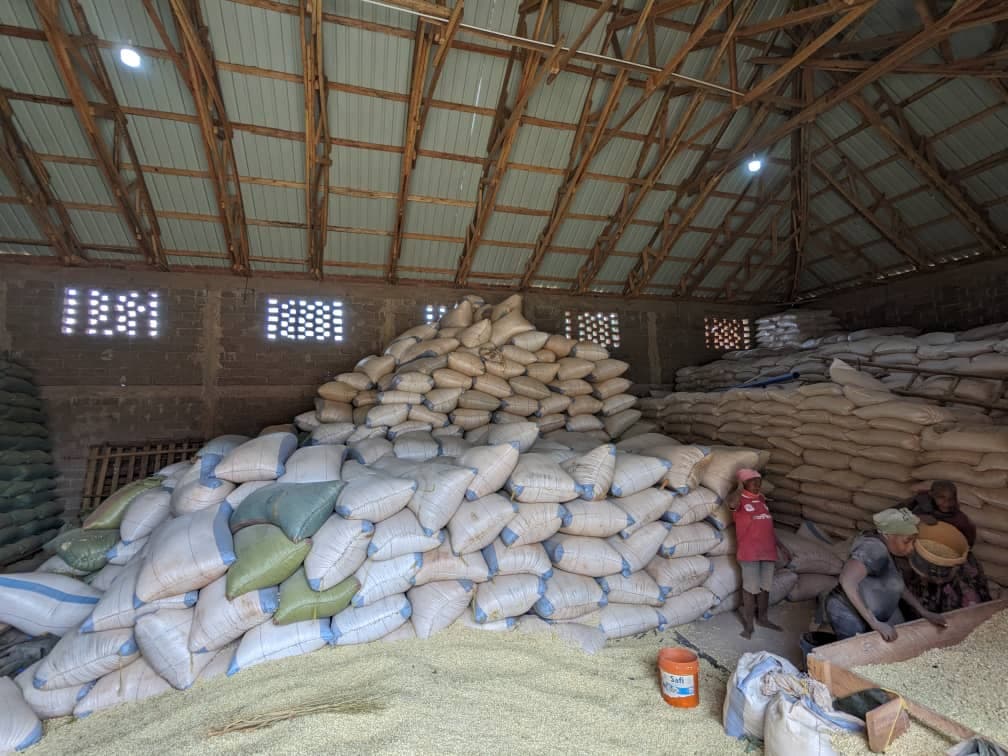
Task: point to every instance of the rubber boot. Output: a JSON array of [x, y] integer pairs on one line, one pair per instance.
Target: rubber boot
[[762, 606], [746, 612]]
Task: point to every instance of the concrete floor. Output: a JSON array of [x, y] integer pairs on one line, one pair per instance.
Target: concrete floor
[[719, 636]]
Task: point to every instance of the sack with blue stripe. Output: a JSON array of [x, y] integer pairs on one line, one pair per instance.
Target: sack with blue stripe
[[796, 725], [38, 603], [19, 726], [49, 704], [745, 703], [79, 658], [119, 607], [269, 641]]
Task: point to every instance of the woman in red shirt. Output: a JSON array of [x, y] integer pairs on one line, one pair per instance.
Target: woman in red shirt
[[757, 550]]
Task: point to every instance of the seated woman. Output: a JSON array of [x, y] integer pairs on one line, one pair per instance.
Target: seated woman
[[871, 585], [969, 585]]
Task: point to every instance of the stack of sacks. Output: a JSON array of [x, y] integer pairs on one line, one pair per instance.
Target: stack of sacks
[[261, 549], [794, 328], [813, 558], [980, 352], [480, 365], [29, 512], [841, 451]]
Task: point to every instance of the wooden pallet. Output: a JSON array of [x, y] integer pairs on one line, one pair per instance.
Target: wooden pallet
[[833, 664], [109, 468]]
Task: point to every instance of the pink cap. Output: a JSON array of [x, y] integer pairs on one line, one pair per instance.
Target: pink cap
[[747, 473]]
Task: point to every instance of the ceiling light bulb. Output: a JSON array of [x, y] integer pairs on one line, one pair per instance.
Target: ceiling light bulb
[[130, 57], [754, 165]]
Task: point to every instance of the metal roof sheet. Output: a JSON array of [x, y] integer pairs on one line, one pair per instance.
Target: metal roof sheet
[[492, 259], [94, 227], [364, 169], [579, 234], [169, 143], [355, 248], [125, 22], [635, 238], [262, 101], [80, 183], [271, 241], [51, 129], [155, 85], [597, 197], [538, 145], [556, 265], [254, 36], [274, 203], [201, 261], [426, 218], [365, 58], [182, 194], [512, 227], [29, 67], [192, 236], [526, 189], [451, 179], [428, 254], [16, 223], [361, 212], [452, 131]]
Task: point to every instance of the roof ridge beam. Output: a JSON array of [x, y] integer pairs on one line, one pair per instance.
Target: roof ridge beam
[[318, 145]]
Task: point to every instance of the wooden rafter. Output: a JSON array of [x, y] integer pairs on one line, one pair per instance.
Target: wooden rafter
[[585, 145], [916, 150], [502, 138], [870, 215], [809, 49], [634, 195], [198, 69], [801, 160], [29, 178], [988, 66], [422, 87], [84, 76], [653, 256], [317, 142], [948, 24]]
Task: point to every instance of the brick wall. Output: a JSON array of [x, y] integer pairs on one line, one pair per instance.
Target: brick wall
[[211, 370], [951, 300]]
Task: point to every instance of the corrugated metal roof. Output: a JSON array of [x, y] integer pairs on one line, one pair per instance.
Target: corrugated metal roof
[[491, 259], [556, 265], [16, 223], [513, 228], [248, 36], [355, 248], [427, 254], [81, 183], [253, 36], [273, 203]]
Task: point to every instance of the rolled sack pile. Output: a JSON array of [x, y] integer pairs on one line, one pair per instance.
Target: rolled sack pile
[[794, 327], [843, 450], [979, 352], [29, 512], [279, 545]]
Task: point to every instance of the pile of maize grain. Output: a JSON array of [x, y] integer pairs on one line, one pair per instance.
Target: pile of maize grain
[[962, 682]]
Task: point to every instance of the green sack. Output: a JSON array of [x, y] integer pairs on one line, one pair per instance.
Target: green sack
[[299, 509], [265, 557], [39, 526], [17, 385], [20, 400], [19, 457], [25, 500], [83, 549], [21, 414], [110, 512], [26, 472], [299, 602], [9, 368], [10, 428], [25, 443]]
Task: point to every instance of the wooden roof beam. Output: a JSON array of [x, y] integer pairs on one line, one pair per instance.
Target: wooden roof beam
[[869, 215], [916, 150], [502, 138], [585, 146], [197, 68], [634, 196], [81, 69], [317, 142], [948, 24], [808, 49], [801, 160], [27, 175], [989, 66]]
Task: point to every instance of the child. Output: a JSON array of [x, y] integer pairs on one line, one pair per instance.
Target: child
[[757, 550]]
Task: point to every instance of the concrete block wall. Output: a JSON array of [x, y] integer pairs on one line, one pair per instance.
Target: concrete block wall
[[211, 370], [950, 300]]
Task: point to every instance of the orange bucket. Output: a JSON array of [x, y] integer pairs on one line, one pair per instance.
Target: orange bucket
[[679, 670]]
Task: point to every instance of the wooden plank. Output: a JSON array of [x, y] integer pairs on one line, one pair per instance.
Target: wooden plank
[[832, 664], [318, 144]]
